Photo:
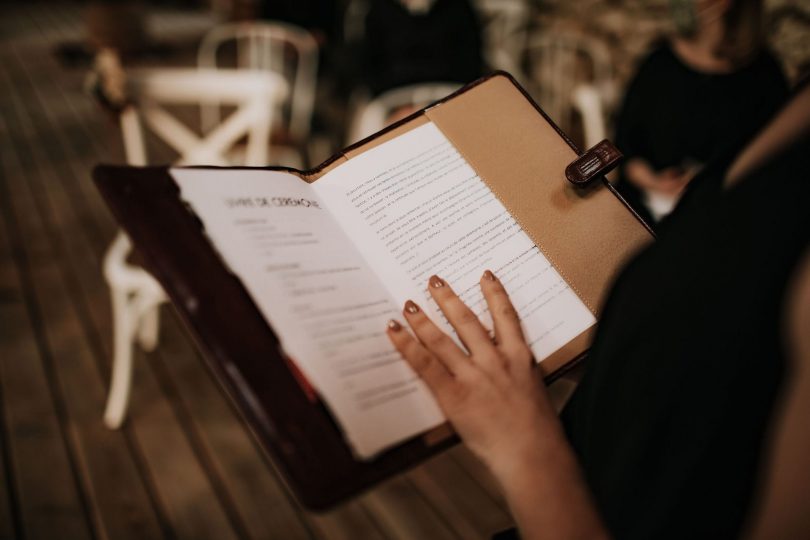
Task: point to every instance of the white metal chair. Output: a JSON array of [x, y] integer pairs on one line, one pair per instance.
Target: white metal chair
[[276, 47], [374, 115], [572, 72], [136, 296]]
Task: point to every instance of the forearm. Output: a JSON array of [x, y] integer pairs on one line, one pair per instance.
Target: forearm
[[547, 492]]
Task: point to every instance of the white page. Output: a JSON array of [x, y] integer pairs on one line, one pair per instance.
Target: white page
[[415, 207], [326, 305]]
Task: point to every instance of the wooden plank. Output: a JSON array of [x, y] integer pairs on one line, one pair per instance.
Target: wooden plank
[[119, 502], [10, 294], [9, 517], [191, 504], [349, 521], [45, 487], [403, 513], [461, 501], [478, 473], [47, 496]]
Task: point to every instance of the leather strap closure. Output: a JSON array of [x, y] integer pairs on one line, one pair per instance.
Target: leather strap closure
[[596, 162]]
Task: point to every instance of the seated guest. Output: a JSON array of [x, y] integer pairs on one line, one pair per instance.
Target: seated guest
[[697, 96]]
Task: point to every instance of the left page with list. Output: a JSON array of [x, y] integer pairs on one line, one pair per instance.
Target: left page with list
[[324, 302]]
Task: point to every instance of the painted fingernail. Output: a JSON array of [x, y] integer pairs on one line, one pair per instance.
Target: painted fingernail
[[436, 282], [489, 275], [411, 307], [394, 326]]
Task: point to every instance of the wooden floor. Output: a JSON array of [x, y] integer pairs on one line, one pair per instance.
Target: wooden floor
[[183, 466]]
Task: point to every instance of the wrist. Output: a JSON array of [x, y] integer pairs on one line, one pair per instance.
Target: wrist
[[528, 455], [545, 489]]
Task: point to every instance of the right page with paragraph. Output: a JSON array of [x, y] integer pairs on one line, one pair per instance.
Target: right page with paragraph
[[414, 207]]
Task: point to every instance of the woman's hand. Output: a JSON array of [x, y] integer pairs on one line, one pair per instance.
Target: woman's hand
[[497, 403], [493, 394]]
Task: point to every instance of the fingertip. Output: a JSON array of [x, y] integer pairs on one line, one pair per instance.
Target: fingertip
[[394, 326], [397, 335], [489, 282], [435, 282], [410, 308], [440, 290]]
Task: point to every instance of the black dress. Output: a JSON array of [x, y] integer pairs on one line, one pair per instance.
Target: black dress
[[676, 116], [670, 418]]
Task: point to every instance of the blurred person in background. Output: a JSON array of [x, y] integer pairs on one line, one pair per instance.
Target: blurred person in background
[[697, 97], [418, 41]]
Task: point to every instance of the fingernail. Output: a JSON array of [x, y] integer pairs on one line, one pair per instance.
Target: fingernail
[[394, 326], [411, 307], [436, 282], [489, 275]]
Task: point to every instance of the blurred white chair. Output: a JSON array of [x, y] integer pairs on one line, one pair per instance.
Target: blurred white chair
[[506, 31], [275, 47], [587, 101], [136, 295], [374, 115], [570, 72]]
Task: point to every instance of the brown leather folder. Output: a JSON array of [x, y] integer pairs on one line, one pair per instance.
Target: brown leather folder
[[557, 195]]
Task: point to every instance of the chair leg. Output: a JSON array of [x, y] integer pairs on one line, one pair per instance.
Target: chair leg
[[149, 328], [124, 332]]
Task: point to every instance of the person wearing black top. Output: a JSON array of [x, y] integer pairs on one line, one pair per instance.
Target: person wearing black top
[[665, 435], [671, 415], [692, 101]]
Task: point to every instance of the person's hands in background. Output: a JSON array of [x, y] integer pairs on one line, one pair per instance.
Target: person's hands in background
[[670, 181]]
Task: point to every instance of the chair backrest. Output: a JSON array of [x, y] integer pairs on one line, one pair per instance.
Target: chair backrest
[[559, 63], [589, 104], [277, 47], [374, 115], [251, 93]]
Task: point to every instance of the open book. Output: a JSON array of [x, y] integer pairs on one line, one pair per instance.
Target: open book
[[288, 278], [329, 263]]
